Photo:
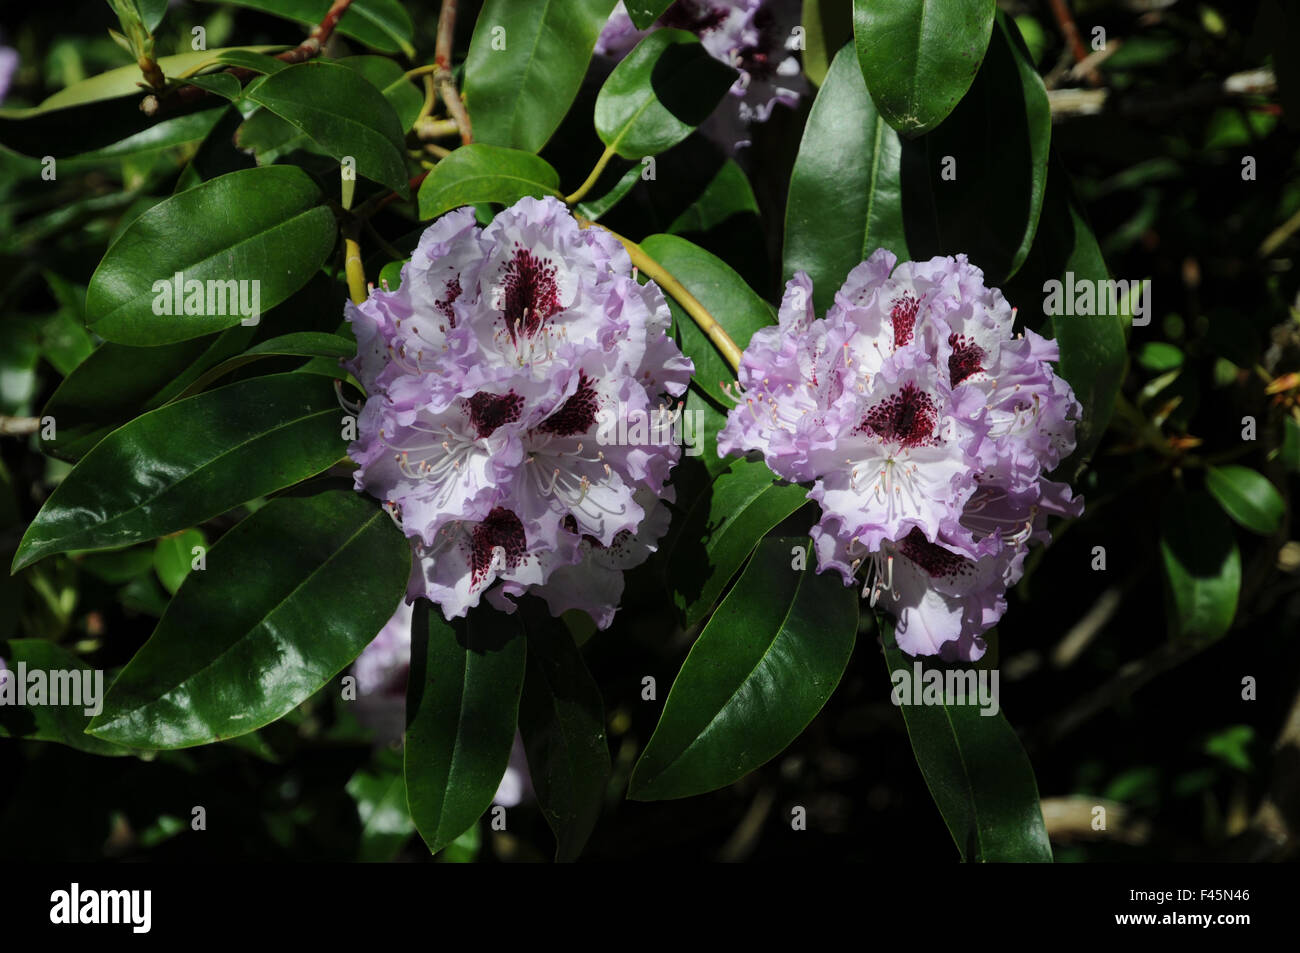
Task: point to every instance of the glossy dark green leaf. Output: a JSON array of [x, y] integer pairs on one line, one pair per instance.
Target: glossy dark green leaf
[[525, 65], [721, 529], [643, 13], [64, 724], [562, 719], [1248, 497], [263, 225], [462, 706], [480, 173], [593, 209], [659, 93], [727, 197], [920, 56], [758, 674], [1202, 567], [316, 344], [177, 466], [289, 597], [343, 113], [174, 557], [116, 381], [975, 184], [845, 192], [974, 765], [382, 25], [389, 78], [733, 304]]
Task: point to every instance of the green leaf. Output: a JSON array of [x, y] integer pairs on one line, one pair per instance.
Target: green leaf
[[65, 724], [644, 13], [562, 719], [296, 344], [659, 93], [1289, 452], [1094, 354], [758, 674], [828, 25], [382, 25], [975, 184], [177, 466], [1158, 356], [152, 12], [1248, 497], [264, 225], [1202, 567], [974, 765], [845, 191], [920, 56], [481, 173], [721, 529], [593, 209], [525, 65], [343, 114], [380, 796], [727, 196], [390, 79], [115, 382], [174, 555], [290, 596], [462, 706], [724, 293]]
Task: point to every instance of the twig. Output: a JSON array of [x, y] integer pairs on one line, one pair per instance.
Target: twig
[[1064, 19], [306, 50], [442, 76], [1068, 103], [18, 426]]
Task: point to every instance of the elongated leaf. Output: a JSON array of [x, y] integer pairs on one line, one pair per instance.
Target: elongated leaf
[[659, 93], [479, 173], [382, 25], [724, 293], [297, 344], [174, 557], [526, 62], [343, 113], [920, 56], [380, 796], [722, 528], [190, 461], [62, 723], [462, 705], [845, 192], [643, 13], [389, 78], [962, 196], [973, 763], [828, 25], [1248, 497], [562, 719], [1202, 567], [759, 672], [289, 597], [260, 225]]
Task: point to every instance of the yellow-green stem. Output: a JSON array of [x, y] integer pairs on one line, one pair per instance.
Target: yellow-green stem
[[690, 304], [591, 179], [354, 270]]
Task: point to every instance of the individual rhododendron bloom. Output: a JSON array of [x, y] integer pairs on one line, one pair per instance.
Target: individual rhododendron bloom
[[927, 428], [488, 373], [753, 36]]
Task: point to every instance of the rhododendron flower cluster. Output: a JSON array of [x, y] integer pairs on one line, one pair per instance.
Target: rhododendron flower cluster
[[486, 371], [753, 36], [927, 429]]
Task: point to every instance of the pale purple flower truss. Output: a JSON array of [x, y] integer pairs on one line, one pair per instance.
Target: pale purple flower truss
[[753, 36], [486, 371], [927, 429]]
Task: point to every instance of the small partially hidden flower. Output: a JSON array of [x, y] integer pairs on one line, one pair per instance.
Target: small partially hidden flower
[[927, 429], [488, 372], [753, 36]]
